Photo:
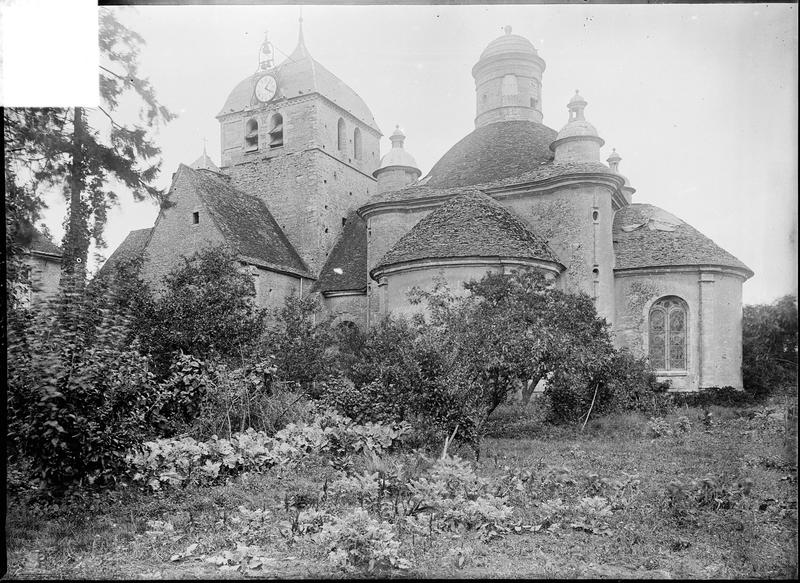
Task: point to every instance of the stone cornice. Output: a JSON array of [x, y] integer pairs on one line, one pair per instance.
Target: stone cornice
[[342, 293], [473, 261], [672, 269], [613, 182]]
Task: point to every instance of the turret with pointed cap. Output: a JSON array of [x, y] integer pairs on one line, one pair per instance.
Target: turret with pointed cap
[[613, 163]]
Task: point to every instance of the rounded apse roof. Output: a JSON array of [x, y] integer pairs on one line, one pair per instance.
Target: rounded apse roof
[[648, 236], [494, 152], [508, 43]]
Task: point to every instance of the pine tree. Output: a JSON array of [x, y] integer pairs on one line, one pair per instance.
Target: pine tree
[[64, 148]]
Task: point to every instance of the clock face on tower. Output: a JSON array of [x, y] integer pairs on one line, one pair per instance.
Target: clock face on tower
[[266, 88]]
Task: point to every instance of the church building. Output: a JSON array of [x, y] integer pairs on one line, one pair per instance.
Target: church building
[[302, 194]]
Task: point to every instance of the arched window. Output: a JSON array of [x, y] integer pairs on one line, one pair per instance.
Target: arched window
[[668, 334], [357, 144], [341, 138], [276, 131], [251, 136]]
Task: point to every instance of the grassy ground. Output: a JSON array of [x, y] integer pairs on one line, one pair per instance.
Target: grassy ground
[[116, 537]]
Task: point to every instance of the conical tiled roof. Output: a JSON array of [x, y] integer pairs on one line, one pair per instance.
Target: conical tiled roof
[[470, 225], [647, 236], [346, 267]]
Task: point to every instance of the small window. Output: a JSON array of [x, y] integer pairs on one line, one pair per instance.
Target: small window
[[595, 216], [667, 330], [276, 131], [195, 218], [341, 138], [251, 136], [596, 274], [534, 103], [344, 220], [357, 144]]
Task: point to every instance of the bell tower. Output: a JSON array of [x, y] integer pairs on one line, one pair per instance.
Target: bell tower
[[508, 81], [303, 141]]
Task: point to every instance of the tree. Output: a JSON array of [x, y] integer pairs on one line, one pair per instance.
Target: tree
[[64, 148], [769, 346], [205, 308]]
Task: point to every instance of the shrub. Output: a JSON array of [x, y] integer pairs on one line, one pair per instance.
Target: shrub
[[769, 347], [715, 396], [182, 395], [78, 394], [359, 542]]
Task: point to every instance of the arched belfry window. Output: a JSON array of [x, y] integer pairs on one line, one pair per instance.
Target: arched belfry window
[[357, 144], [251, 136], [341, 138], [667, 331], [276, 131]]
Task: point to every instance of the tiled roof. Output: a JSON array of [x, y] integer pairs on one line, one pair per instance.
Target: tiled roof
[[492, 152], [647, 236], [246, 223], [41, 244], [300, 74], [470, 225], [132, 246], [346, 267], [542, 171]]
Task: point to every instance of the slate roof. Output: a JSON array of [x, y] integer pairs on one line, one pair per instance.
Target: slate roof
[[41, 244], [301, 74], [493, 152], [470, 225], [245, 222], [537, 172], [132, 246], [346, 267], [646, 241]]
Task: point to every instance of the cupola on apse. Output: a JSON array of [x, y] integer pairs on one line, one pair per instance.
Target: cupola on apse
[[508, 81]]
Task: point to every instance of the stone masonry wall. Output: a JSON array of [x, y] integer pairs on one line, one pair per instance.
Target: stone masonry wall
[[175, 235]]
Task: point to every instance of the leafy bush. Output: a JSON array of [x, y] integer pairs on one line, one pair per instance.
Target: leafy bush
[[182, 395], [359, 542], [715, 396], [187, 461], [769, 347], [205, 308], [78, 394]]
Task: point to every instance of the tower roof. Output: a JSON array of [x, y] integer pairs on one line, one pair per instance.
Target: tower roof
[[493, 152], [204, 162], [508, 43], [397, 155], [648, 236], [300, 74], [470, 225]]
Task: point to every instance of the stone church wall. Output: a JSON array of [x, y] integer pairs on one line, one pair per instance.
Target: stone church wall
[[564, 217], [350, 308], [175, 235], [273, 288], [44, 275], [714, 339]]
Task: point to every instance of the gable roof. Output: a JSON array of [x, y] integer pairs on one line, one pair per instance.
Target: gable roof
[[245, 223], [648, 236], [470, 225], [492, 152], [346, 267], [41, 244], [132, 246]]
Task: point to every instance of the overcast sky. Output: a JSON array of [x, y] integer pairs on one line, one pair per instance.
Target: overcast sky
[[700, 101]]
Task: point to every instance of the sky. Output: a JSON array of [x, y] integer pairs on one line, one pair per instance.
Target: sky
[[699, 100]]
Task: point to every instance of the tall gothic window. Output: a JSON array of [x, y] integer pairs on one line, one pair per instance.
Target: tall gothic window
[[251, 136], [668, 334], [341, 137], [357, 144]]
